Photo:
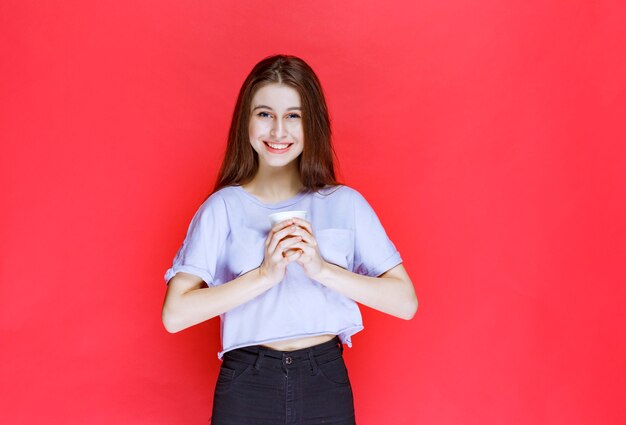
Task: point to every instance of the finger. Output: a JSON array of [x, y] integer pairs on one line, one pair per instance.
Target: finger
[[279, 257], [280, 236], [304, 224], [293, 255], [278, 228], [288, 243], [306, 236], [278, 252], [281, 225], [307, 250]]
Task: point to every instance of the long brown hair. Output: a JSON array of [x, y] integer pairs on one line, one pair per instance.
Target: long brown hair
[[315, 164]]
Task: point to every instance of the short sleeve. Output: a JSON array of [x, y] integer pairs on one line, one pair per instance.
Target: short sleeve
[[206, 236], [374, 253]]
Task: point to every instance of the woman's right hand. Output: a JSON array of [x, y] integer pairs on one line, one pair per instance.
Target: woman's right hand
[[277, 256]]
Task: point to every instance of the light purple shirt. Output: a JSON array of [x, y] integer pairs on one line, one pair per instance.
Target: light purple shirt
[[226, 238]]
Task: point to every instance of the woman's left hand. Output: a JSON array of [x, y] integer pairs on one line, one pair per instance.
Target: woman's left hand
[[310, 258]]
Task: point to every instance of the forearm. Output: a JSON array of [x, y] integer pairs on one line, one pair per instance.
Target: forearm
[[188, 308], [390, 295]]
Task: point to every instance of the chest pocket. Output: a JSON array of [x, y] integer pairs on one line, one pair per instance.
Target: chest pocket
[[337, 246]]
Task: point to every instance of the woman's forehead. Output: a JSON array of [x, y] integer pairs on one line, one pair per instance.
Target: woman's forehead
[[276, 96]]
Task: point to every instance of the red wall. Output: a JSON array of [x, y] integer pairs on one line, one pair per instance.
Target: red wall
[[488, 135]]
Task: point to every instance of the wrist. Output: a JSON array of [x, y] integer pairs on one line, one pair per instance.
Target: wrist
[[324, 273], [261, 279]]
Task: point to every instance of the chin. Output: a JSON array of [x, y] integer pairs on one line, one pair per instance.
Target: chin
[[281, 164]]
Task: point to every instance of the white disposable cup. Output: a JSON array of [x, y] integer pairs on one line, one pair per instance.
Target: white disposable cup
[[285, 215]]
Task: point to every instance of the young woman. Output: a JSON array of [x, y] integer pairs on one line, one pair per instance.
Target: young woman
[[287, 294]]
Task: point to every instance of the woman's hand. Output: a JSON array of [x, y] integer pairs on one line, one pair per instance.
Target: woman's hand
[[310, 258], [278, 254]]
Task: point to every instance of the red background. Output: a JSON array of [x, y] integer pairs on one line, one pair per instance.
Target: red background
[[488, 135]]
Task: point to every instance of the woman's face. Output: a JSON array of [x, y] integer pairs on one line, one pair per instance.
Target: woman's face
[[275, 128]]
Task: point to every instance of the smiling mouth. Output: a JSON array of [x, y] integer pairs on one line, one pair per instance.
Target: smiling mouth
[[277, 147]]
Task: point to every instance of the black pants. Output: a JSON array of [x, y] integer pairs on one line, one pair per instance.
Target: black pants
[[261, 386]]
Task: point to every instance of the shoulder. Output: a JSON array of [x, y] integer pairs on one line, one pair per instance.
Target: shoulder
[[216, 202], [226, 195], [345, 195], [338, 193]]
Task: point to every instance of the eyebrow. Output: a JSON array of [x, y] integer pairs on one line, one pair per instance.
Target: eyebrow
[[293, 108]]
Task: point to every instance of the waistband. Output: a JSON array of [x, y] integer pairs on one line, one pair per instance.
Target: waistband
[[258, 355]]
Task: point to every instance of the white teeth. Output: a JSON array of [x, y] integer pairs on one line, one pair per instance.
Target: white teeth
[[274, 146]]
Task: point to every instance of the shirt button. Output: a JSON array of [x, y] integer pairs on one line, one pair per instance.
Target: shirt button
[[288, 360]]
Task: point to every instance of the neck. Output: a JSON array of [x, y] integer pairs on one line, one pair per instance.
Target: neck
[[274, 184]]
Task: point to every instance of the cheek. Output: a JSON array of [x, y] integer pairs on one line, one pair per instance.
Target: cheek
[[297, 131], [258, 129], [252, 129]]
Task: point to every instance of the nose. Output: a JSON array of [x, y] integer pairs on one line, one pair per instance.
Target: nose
[[278, 130]]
